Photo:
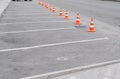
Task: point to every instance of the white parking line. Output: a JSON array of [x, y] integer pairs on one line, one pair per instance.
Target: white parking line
[[31, 11], [54, 44], [34, 22], [71, 70], [29, 14], [31, 17], [37, 30], [73, 77], [27, 10], [14, 12]]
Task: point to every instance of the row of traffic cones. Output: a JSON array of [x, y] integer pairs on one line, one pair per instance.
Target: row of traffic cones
[[66, 16]]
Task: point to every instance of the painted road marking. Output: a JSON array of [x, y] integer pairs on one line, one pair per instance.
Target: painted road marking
[[53, 44], [73, 77], [67, 58], [34, 22], [62, 58], [37, 30], [17, 12], [34, 15], [28, 14], [41, 10], [14, 12], [72, 70], [30, 17]]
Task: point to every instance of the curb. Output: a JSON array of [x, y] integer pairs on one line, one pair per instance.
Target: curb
[[72, 70], [4, 6]]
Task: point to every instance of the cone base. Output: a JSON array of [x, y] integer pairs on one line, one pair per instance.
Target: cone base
[[54, 11], [60, 15], [66, 17], [92, 30], [77, 23]]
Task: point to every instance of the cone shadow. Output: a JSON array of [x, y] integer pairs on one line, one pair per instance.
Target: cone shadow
[[80, 26]]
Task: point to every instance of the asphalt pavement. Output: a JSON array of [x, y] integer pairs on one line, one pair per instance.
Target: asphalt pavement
[[35, 41], [105, 11]]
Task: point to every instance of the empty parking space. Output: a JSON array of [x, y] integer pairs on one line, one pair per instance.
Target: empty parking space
[[26, 39]]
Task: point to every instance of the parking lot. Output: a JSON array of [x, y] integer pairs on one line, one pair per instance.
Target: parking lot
[[34, 41]]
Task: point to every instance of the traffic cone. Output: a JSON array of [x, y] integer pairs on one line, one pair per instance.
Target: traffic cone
[[61, 12], [50, 8], [54, 10], [66, 15], [77, 21], [46, 5], [42, 4], [39, 2], [91, 28]]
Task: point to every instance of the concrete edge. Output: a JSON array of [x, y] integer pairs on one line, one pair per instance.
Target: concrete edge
[[6, 4], [71, 70]]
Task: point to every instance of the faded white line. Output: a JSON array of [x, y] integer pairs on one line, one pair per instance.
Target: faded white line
[[34, 22], [29, 14], [72, 70], [14, 12], [22, 13], [27, 11], [37, 30], [54, 44], [31, 17], [73, 77]]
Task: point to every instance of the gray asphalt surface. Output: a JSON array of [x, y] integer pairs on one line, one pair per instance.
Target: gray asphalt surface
[[105, 11], [15, 64]]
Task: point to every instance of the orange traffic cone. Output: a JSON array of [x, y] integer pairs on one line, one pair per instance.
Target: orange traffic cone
[[66, 15], [40, 2], [50, 8], [77, 21], [91, 28], [54, 10], [61, 12], [46, 5]]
